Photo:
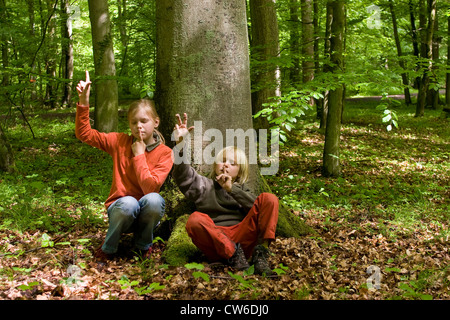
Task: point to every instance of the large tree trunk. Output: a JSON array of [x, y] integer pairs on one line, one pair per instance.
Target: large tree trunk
[[106, 115], [331, 166], [265, 50], [203, 70]]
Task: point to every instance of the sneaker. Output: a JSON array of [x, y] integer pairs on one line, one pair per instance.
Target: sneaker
[[259, 260], [238, 260]]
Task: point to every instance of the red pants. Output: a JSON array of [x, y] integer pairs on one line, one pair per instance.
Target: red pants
[[218, 242]]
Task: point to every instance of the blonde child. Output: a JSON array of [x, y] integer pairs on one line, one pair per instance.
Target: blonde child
[[231, 224], [141, 163]]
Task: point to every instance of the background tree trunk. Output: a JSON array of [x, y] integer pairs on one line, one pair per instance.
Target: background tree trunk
[[405, 79], [106, 115], [307, 42], [203, 70], [447, 79], [294, 40], [322, 112], [67, 53], [427, 51], [331, 166], [51, 54], [265, 49], [6, 155], [122, 25]]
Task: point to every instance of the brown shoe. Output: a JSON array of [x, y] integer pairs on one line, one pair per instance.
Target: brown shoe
[[238, 261], [259, 260], [101, 256]]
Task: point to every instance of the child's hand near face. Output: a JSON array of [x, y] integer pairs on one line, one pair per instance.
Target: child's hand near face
[[181, 130], [225, 181], [84, 89], [138, 147]]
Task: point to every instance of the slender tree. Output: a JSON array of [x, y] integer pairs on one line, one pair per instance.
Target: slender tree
[[331, 165], [404, 75], [307, 11], [322, 110], [265, 50], [124, 39], [51, 54], [427, 52], [6, 154], [67, 53], [106, 116], [294, 40], [447, 82]]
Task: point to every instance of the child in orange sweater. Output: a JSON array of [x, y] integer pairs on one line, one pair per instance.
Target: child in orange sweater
[[141, 163]]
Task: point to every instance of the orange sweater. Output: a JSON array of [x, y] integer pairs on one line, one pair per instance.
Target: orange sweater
[[132, 176]]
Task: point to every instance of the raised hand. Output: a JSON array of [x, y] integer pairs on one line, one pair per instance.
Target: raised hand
[[181, 129], [84, 89], [225, 181]]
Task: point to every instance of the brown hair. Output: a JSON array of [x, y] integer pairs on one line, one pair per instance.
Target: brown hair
[[149, 107]]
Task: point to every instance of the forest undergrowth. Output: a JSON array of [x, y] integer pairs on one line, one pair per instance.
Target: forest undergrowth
[[381, 229]]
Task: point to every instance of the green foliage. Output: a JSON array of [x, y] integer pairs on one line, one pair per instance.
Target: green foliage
[[54, 180], [406, 182], [198, 274], [143, 290], [389, 116], [284, 112]]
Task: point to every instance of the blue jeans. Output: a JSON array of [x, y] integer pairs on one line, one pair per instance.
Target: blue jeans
[[127, 215]]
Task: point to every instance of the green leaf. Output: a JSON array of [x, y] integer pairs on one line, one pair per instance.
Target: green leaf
[[199, 274], [194, 265], [46, 241]]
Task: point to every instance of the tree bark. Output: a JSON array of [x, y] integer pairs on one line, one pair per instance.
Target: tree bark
[[322, 111], [6, 154], [67, 53], [447, 82], [4, 45], [265, 50], [51, 54], [122, 24], [331, 165], [294, 40], [203, 69], [427, 49], [307, 40], [405, 79], [106, 115]]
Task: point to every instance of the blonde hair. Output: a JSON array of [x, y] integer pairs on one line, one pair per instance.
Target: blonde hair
[[241, 159], [149, 107]]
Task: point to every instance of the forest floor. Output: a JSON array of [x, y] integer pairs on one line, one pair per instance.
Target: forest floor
[[381, 229]]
